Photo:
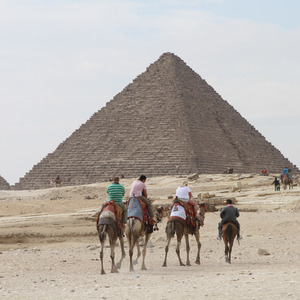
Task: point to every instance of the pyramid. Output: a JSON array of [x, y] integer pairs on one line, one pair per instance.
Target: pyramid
[[4, 185], [168, 121]]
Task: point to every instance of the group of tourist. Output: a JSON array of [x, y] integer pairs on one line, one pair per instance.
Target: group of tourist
[[116, 192]]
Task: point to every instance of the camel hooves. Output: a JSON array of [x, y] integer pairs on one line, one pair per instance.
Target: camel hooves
[[114, 271], [118, 266]]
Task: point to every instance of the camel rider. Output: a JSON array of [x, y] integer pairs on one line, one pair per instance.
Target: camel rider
[[116, 192], [138, 188], [184, 193], [284, 171], [229, 214]]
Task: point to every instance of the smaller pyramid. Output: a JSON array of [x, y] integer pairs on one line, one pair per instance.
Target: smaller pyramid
[[4, 185]]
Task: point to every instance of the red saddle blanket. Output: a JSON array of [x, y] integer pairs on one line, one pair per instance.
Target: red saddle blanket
[[134, 212], [189, 210], [116, 209], [147, 217]]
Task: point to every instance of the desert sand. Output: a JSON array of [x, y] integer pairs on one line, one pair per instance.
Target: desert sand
[[49, 247]]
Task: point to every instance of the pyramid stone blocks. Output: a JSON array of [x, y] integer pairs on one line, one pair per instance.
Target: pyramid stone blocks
[[168, 121], [4, 185]]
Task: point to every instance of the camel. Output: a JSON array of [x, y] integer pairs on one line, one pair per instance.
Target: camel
[[229, 232], [181, 229], [107, 226], [56, 182], [287, 180], [135, 229]]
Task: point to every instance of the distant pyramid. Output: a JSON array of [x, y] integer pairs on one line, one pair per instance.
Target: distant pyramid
[[168, 121], [4, 185]]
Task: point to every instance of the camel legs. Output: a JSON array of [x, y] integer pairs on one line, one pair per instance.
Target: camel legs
[[112, 242], [179, 237], [166, 251], [118, 265], [226, 253], [101, 257], [144, 251], [131, 246], [187, 246], [197, 236]]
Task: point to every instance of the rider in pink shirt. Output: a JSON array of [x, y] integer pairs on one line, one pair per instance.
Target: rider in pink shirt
[[138, 189]]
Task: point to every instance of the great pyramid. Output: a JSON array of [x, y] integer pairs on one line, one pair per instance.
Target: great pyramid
[[4, 185], [168, 121]]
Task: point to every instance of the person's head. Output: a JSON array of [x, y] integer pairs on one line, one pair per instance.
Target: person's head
[[228, 201], [184, 183], [143, 178], [116, 179]]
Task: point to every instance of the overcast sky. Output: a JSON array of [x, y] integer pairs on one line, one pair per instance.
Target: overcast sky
[[62, 60]]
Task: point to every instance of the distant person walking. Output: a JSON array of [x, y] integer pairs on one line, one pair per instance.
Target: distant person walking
[[276, 183]]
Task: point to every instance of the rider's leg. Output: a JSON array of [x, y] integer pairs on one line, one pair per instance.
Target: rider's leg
[[238, 228], [149, 206], [124, 207], [220, 225], [192, 202]]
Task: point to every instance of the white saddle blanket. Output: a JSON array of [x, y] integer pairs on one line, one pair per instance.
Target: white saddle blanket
[[178, 211]]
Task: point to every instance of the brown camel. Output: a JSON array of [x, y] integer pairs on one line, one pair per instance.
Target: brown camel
[[135, 229], [229, 232], [108, 227], [181, 229], [287, 180]]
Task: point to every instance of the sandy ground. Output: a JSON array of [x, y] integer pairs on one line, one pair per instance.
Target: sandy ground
[[49, 248]]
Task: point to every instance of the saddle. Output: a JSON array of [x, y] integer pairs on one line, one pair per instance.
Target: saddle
[[138, 209], [113, 207], [189, 221]]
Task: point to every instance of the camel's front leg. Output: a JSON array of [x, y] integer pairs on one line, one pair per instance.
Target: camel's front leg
[[187, 244], [144, 251], [118, 265], [112, 256], [101, 258], [226, 252], [166, 251], [138, 251], [179, 237], [197, 236]]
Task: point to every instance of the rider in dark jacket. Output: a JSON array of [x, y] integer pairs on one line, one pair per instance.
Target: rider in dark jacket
[[229, 214]]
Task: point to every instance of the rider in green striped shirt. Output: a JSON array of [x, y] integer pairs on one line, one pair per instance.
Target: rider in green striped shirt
[[116, 192]]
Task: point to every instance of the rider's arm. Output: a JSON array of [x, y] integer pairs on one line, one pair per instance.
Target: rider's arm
[[190, 195], [145, 193]]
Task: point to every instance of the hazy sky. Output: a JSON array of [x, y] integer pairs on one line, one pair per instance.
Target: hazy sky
[[62, 60]]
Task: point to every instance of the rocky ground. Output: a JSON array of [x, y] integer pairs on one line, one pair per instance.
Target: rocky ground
[[49, 246]]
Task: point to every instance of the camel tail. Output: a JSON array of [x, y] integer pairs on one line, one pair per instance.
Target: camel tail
[[230, 233], [102, 234], [130, 233], [170, 229]]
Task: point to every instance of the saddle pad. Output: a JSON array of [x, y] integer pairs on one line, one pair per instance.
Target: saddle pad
[[134, 209], [107, 221], [178, 211]]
